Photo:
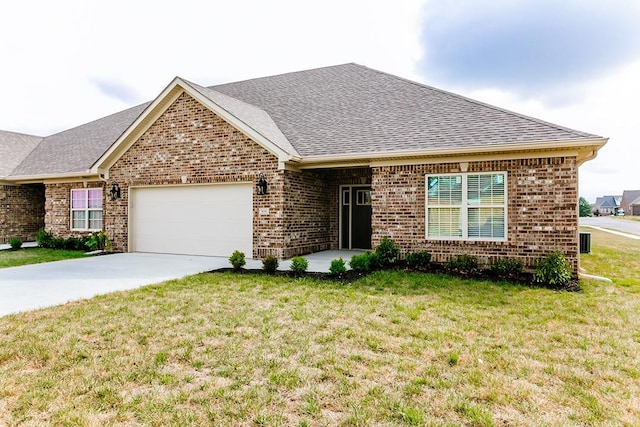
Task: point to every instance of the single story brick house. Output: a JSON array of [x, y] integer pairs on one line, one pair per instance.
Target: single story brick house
[[330, 158]]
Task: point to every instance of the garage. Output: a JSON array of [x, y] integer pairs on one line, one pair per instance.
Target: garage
[[211, 220]]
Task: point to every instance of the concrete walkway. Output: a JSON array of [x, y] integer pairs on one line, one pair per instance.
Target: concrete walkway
[[4, 246], [42, 285]]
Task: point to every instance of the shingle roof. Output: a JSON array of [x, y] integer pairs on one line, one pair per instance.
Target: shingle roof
[[354, 109], [77, 149], [344, 109], [14, 147]]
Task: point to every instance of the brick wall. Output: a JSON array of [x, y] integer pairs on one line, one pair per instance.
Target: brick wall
[[190, 144], [57, 217], [307, 217], [21, 211], [542, 209]]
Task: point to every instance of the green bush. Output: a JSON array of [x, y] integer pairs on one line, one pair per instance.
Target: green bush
[[386, 252], [270, 264], [361, 262], [237, 260], [95, 241], [299, 265], [44, 239], [418, 260], [337, 267], [554, 269], [15, 243], [463, 263], [506, 266]]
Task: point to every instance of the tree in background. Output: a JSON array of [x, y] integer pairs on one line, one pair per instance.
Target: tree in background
[[585, 207]]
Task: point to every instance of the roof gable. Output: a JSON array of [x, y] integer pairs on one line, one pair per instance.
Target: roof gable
[[244, 117]]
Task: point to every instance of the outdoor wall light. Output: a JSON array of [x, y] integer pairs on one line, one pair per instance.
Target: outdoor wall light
[[114, 193], [262, 184]]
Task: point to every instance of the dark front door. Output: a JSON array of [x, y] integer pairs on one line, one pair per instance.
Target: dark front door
[[356, 217]]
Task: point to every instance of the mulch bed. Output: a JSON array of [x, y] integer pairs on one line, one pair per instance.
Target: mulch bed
[[524, 278]]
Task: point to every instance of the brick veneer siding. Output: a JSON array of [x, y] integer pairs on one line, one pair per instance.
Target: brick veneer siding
[[307, 217], [190, 141], [542, 209], [57, 218], [21, 211]]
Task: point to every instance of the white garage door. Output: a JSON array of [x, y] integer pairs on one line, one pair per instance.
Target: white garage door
[[192, 219]]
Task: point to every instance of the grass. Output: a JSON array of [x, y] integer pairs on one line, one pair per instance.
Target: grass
[[391, 349], [10, 258]]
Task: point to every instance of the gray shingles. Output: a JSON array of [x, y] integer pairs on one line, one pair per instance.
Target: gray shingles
[[14, 148], [77, 149], [353, 109]]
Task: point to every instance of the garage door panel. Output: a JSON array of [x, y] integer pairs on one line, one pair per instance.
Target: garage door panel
[[198, 220]]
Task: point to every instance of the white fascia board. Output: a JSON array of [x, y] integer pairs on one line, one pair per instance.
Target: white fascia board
[[538, 146], [60, 177]]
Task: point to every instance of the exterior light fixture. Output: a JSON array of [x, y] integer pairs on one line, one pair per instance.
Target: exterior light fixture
[[114, 193], [261, 185]]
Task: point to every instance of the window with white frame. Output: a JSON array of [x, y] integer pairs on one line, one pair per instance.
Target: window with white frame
[[86, 209], [466, 206]]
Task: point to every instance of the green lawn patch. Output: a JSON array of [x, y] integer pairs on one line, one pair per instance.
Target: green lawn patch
[[10, 258], [393, 348]]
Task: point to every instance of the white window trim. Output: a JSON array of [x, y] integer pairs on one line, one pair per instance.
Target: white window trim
[[464, 208], [86, 210]]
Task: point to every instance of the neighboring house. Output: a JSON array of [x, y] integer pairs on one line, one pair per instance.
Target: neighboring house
[[348, 154], [630, 202], [607, 205]]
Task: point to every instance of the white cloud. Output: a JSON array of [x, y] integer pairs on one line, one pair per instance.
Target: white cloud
[[59, 50], [609, 109]]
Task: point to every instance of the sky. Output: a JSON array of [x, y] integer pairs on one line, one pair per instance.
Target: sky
[[571, 62]]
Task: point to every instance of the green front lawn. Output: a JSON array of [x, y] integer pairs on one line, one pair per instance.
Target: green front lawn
[[10, 258], [394, 348]]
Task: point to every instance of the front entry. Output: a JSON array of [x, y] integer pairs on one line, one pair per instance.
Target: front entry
[[355, 217]]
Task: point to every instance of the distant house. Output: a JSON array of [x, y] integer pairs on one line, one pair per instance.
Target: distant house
[[607, 205], [630, 202]]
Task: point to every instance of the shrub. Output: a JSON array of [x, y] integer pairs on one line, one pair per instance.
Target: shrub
[[337, 267], [463, 263], [44, 239], [387, 252], [237, 260], [554, 269], [15, 243], [418, 260], [506, 266], [270, 264], [95, 241], [361, 262], [299, 265]]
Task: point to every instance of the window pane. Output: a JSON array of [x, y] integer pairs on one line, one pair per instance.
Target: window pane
[[486, 222], [95, 198], [78, 199], [95, 220], [444, 190], [444, 222], [78, 220], [486, 189]]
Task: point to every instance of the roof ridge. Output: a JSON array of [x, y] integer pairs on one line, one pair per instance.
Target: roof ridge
[[280, 75], [484, 104]]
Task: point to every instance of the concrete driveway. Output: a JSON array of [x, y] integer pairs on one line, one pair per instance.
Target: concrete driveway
[[43, 285]]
